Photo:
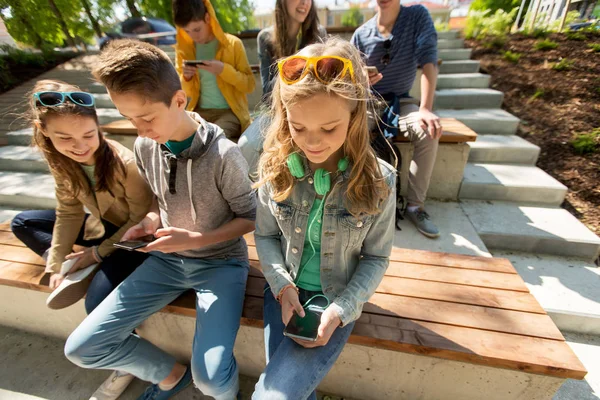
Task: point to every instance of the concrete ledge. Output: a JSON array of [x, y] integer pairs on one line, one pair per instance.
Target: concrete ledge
[[361, 372], [447, 172]]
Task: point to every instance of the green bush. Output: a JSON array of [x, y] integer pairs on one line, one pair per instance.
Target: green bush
[[563, 65], [584, 143], [512, 57], [480, 24], [495, 42], [576, 36], [441, 26], [545, 45], [595, 47]]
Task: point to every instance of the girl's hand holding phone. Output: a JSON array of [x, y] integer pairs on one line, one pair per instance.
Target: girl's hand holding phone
[[189, 71], [290, 303], [330, 320]]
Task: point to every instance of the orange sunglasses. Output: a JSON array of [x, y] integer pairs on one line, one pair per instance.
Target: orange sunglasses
[[325, 68]]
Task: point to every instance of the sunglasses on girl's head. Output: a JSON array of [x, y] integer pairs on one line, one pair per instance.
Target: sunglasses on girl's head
[[387, 45], [52, 99], [324, 68]]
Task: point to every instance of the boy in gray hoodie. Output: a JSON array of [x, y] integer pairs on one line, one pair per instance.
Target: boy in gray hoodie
[[203, 206]]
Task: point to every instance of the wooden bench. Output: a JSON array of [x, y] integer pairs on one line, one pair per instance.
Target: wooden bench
[[465, 327], [454, 131]]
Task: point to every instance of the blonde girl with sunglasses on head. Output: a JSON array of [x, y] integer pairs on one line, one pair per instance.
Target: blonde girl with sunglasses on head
[[89, 172], [325, 220]]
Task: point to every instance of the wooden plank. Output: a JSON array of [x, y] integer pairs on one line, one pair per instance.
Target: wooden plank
[[454, 131], [429, 258], [492, 280], [26, 276], [119, 127], [10, 239], [5, 227], [493, 319], [503, 299], [19, 255], [481, 347]]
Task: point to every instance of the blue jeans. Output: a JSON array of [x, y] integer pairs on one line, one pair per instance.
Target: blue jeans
[[105, 340], [34, 228], [294, 372]]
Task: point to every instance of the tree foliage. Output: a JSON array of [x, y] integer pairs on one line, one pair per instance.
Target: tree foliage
[[353, 17], [494, 5]]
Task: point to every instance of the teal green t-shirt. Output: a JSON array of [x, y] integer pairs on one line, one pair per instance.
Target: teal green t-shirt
[[90, 172], [210, 94], [178, 147], [309, 277]]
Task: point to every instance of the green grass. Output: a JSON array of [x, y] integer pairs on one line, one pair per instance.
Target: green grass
[[563, 65], [512, 57], [538, 93], [576, 36], [545, 45], [585, 143], [595, 47]]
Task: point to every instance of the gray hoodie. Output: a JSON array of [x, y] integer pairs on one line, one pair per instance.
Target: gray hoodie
[[202, 188]]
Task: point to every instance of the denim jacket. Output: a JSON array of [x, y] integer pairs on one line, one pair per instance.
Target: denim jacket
[[354, 251]]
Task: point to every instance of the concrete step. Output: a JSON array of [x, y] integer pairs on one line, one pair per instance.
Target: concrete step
[[108, 115], [463, 81], [532, 229], [506, 182], [567, 288], [459, 67], [460, 99], [454, 54], [23, 137], [7, 214], [484, 120], [22, 159], [447, 35], [450, 44], [96, 87], [27, 190], [103, 101], [504, 149]]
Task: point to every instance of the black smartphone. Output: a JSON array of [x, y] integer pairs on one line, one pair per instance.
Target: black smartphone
[[306, 328], [136, 243], [193, 63]]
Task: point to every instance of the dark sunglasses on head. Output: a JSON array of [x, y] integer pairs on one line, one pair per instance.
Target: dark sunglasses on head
[[387, 45], [53, 99]]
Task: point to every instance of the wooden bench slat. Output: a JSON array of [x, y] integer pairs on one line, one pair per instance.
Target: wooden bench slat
[[493, 319], [10, 239], [429, 258], [494, 349], [457, 293], [19, 254], [24, 276], [454, 131], [485, 279], [5, 227], [486, 297]]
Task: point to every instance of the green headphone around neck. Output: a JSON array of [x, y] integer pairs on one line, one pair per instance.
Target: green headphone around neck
[[322, 179]]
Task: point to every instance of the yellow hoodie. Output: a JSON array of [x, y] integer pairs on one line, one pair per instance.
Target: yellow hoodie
[[236, 80]]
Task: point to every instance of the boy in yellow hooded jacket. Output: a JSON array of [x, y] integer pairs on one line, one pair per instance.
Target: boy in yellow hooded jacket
[[217, 89]]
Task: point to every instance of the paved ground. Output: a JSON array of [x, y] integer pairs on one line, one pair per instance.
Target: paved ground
[[33, 368]]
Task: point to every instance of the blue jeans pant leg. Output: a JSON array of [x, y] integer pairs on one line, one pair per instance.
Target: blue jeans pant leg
[[113, 270], [294, 372], [104, 340], [220, 289]]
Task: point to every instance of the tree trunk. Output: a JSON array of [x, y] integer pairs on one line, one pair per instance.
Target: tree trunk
[[62, 23], [133, 9], [93, 20]]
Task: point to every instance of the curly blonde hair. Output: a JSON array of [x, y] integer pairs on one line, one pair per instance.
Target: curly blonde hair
[[366, 187]]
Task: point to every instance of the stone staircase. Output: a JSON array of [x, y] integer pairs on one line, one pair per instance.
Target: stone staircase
[[510, 205]]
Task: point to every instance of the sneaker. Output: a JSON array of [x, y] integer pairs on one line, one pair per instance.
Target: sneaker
[[422, 222], [112, 388], [73, 287], [153, 392]]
